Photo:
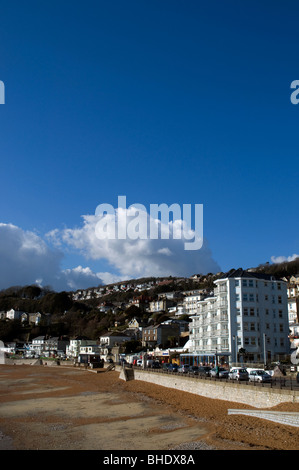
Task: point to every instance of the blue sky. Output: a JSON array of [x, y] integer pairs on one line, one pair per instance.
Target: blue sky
[[162, 101]]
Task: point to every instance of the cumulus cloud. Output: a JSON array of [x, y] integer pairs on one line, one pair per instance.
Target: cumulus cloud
[[133, 258], [82, 278], [25, 258], [283, 259], [28, 258]]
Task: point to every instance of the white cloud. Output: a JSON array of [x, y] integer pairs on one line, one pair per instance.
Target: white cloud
[[25, 258], [140, 257], [283, 259], [80, 278]]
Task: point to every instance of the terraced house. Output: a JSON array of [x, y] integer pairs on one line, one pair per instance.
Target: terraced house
[[246, 318]]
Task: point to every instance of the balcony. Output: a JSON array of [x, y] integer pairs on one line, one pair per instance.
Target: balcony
[[222, 303], [221, 289]]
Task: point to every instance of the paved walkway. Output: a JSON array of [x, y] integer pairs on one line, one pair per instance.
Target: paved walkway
[[282, 417]]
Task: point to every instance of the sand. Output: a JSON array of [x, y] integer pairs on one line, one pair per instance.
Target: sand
[[66, 408]]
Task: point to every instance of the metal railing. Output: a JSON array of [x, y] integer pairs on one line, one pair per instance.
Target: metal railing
[[286, 383]]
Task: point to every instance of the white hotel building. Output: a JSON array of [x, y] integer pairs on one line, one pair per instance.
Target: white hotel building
[[247, 313]]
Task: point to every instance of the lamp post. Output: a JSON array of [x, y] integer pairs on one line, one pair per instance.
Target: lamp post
[[264, 340], [235, 338]]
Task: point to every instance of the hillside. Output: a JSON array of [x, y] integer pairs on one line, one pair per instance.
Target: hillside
[[92, 311]]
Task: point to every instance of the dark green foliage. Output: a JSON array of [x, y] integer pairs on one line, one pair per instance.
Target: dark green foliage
[[82, 317]]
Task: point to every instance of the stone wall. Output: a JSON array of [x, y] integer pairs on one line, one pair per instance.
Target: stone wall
[[257, 396]]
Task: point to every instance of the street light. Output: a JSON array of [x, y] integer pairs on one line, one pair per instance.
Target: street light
[[235, 338], [264, 339]]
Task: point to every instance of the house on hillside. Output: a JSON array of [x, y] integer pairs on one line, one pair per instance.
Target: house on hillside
[[161, 305], [113, 338], [13, 314], [160, 335]]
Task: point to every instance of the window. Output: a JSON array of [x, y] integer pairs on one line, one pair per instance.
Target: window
[[252, 326], [245, 311], [266, 297], [252, 312], [244, 283], [245, 297], [251, 298], [237, 297], [237, 282], [279, 299], [250, 283]]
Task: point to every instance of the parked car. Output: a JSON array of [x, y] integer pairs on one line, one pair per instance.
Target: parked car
[[204, 371], [139, 362], [219, 372], [183, 369], [238, 374], [156, 365], [259, 375], [193, 370], [172, 367]]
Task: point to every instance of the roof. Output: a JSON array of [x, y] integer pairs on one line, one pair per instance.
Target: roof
[[114, 333], [247, 274]]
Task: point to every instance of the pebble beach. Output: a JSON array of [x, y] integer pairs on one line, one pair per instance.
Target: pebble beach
[[64, 408]]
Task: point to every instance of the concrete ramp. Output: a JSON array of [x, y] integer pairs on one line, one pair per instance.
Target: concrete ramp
[[127, 374], [2, 353], [282, 417]]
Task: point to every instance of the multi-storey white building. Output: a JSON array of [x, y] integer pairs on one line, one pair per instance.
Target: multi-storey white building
[[190, 302], [248, 313]]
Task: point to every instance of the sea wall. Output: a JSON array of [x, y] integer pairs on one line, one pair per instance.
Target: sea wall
[[257, 396]]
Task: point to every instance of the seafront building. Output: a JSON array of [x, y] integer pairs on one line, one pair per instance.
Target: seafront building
[[246, 319]]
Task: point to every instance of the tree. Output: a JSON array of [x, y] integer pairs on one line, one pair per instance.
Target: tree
[[131, 346]]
